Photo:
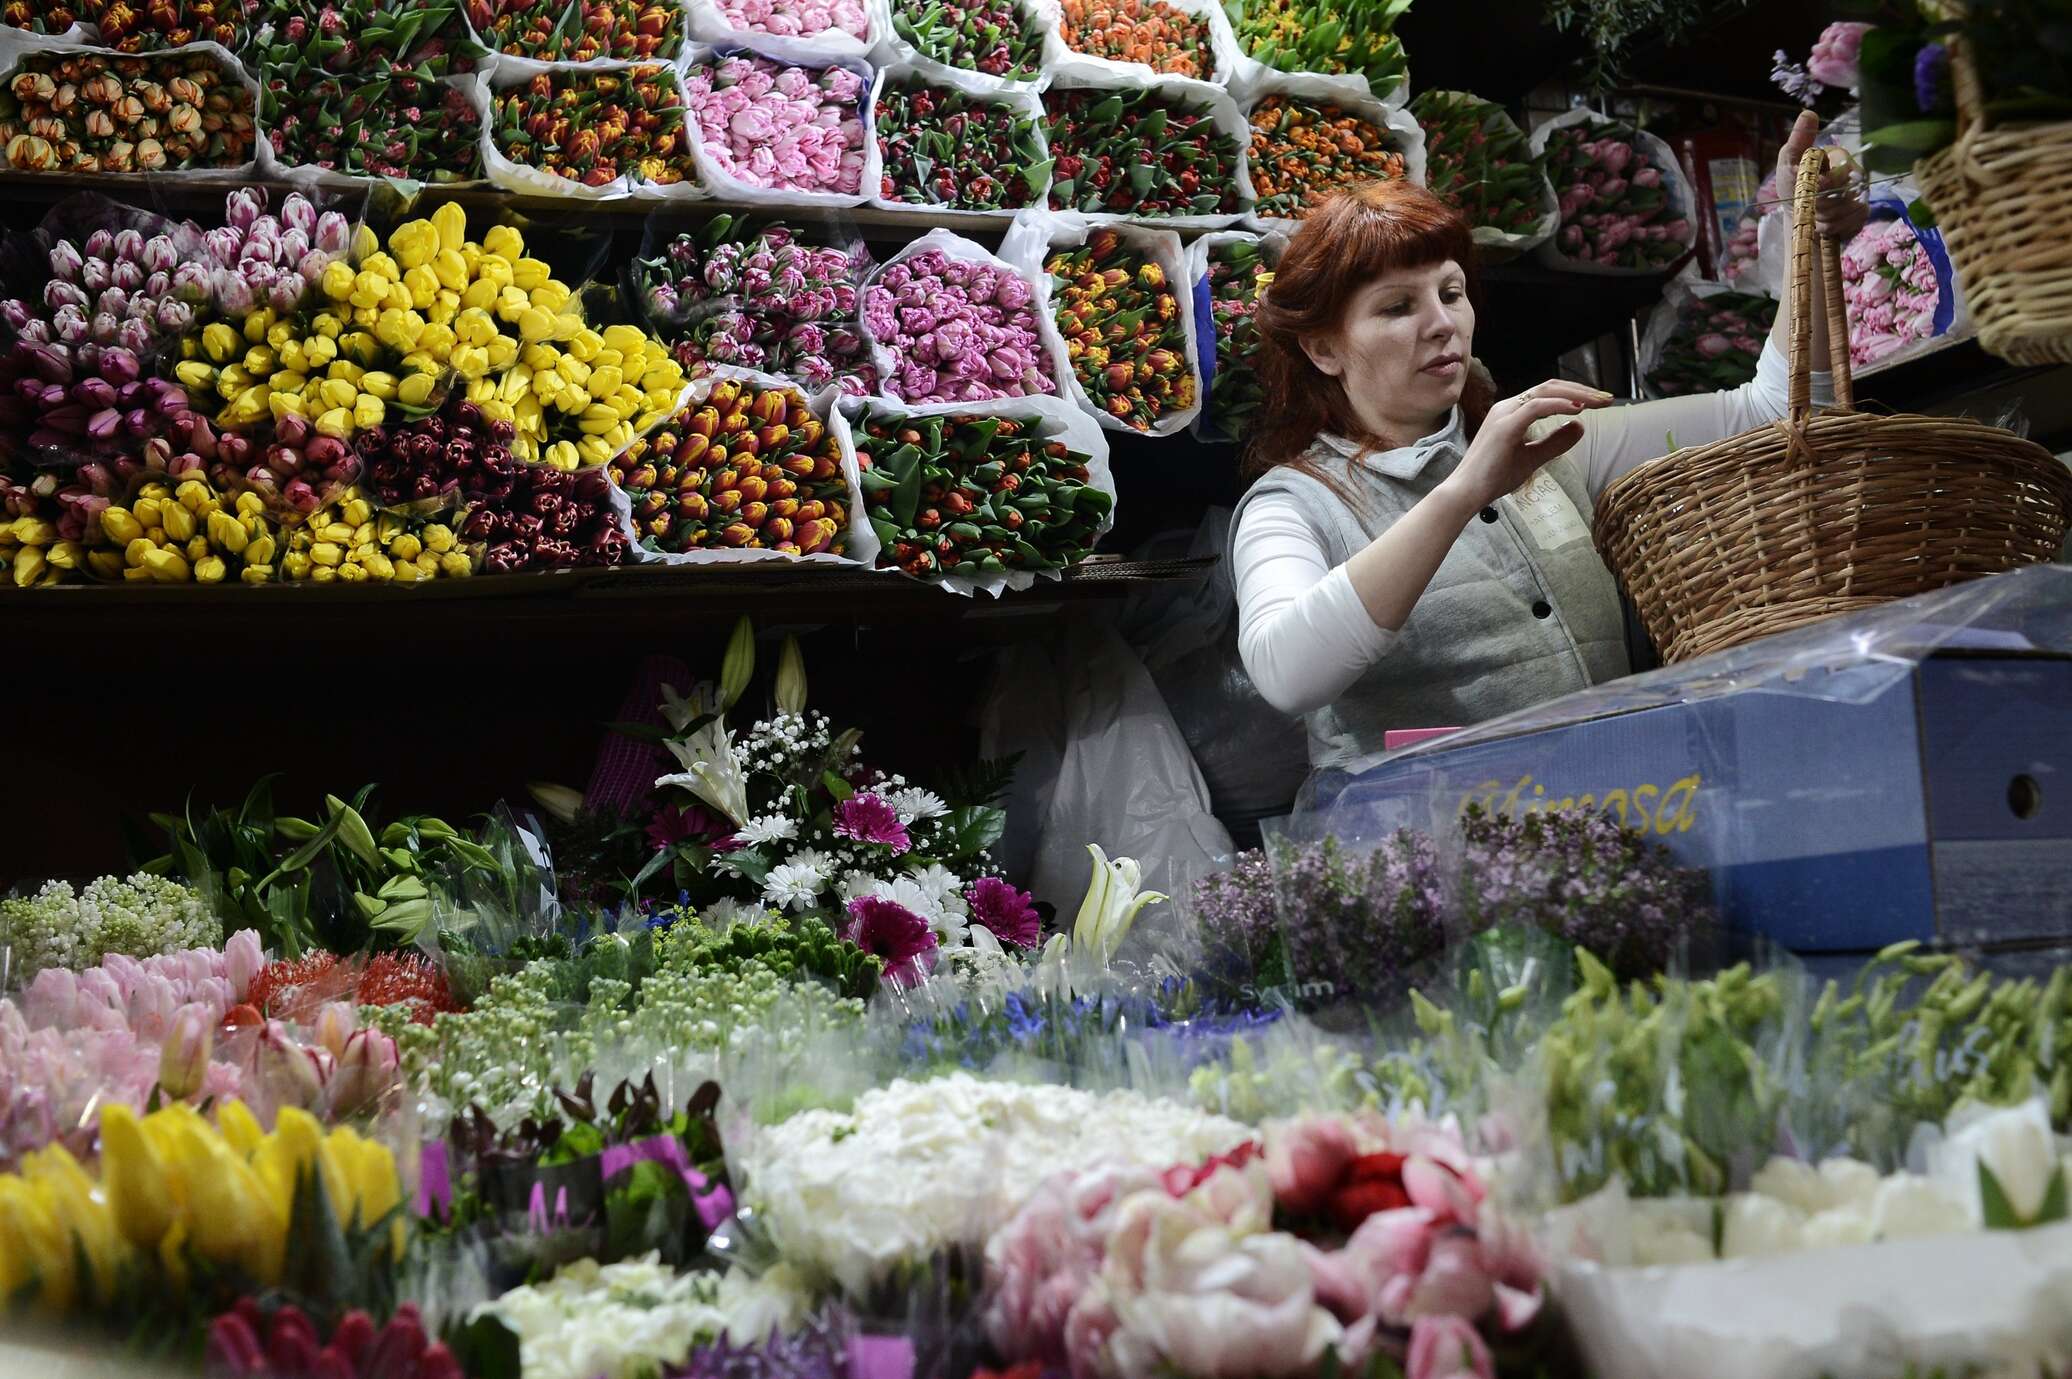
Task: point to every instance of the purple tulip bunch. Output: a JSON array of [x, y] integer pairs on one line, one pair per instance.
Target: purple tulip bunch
[[297, 472], [74, 375], [272, 260], [961, 331], [771, 302]]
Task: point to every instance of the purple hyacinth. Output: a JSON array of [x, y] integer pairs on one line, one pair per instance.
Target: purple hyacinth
[[1931, 76]]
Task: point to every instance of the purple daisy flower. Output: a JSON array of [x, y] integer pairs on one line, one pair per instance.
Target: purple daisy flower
[[900, 938], [869, 819], [1010, 914]]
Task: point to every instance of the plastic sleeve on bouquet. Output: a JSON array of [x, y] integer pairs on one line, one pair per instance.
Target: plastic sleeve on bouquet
[[1200, 254], [1404, 134], [760, 292], [1036, 239], [1025, 104], [705, 143], [1220, 46], [897, 47], [1710, 355], [670, 50], [714, 23], [1650, 153], [1052, 363], [513, 174], [1499, 244], [1174, 95], [739, 503], [1058, 421], [26, 152], [1899, 310]]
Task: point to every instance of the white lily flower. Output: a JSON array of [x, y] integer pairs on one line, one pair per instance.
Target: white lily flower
[[711, 767], [1112, 904]]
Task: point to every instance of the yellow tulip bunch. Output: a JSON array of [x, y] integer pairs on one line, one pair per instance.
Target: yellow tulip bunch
[[187, 532], [323, 366], [349, 542], [582, 400], [173, 1187], [31, 551]]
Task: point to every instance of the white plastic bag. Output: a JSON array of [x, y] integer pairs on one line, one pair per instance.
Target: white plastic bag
[[1063, 59], [957, 247], [1680, 203], [1202, 303], [1253, 757], [861, 540], [1025, 103], [893, 48], [1191, 96], [1029, 245], [1311, 89], [1102, 763], [726, 185], [520, 177], [1072, 427]]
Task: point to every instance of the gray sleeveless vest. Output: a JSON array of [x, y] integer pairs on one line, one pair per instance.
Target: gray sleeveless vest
[[1506, 623]]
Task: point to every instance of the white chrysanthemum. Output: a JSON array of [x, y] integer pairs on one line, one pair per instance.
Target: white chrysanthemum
[[770, 828], [940, 882], [968, 1152], [725, 913], [915, 804], [792, 887], [814, 859]]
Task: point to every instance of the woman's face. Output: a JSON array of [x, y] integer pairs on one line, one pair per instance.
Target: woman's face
[[1402, 348]]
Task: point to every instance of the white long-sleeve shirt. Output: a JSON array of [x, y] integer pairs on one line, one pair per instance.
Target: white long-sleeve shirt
[[1303, 633]]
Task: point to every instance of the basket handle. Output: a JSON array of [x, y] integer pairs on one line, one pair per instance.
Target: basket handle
[[1801, 354]]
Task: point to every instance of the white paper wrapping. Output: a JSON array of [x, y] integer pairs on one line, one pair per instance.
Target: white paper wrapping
[[15, 44], [862, 541], [724, 184], [1026, 102], [1680, 202], [1063, 59], [956, 246], [1320, 90], [1029, 246], [1198, 95], [1073, 428]]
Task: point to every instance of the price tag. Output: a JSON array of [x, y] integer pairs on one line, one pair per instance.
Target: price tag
[[1547, 515]]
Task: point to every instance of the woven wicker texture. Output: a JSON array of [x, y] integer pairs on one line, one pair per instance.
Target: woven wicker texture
[[2002, 198], [1822, 514]]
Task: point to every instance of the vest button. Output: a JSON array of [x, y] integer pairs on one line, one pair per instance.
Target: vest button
[[1489, 514], [1542, 609]]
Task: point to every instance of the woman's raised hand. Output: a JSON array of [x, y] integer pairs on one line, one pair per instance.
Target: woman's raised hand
[[1503, 456], [1841, 210]]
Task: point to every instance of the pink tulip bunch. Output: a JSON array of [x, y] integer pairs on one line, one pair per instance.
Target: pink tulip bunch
[[779, 127], [1890, 290], [959, 331], [1614, 203], [798, 18], [1345, 1239]]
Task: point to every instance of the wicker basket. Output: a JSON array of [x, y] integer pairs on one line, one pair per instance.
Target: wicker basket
[[2003, 201], [1823, 513]]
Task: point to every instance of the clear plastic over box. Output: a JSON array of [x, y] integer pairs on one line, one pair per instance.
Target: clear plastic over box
[[1900, 773]]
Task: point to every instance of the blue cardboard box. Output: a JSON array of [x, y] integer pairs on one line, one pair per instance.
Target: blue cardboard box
[[1906, 774]]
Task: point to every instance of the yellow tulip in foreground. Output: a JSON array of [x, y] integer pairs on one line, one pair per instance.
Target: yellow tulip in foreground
[[173, 1187]]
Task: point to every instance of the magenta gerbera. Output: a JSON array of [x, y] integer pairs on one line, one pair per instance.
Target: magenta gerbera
[[1010, 914], [869, 819], [900, 938]]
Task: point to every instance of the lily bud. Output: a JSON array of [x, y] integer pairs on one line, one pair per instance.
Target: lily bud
[[559, 801], [739, 665], [791, 678]]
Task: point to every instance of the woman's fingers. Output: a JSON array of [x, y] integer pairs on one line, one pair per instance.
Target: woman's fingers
[[1553, 445], [1527, 409], [1574, 392]]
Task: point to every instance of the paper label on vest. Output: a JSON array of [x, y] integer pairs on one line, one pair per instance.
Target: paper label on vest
[[1547, 515]]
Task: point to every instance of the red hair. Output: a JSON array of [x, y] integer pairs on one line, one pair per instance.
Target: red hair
[[1356, 235]]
